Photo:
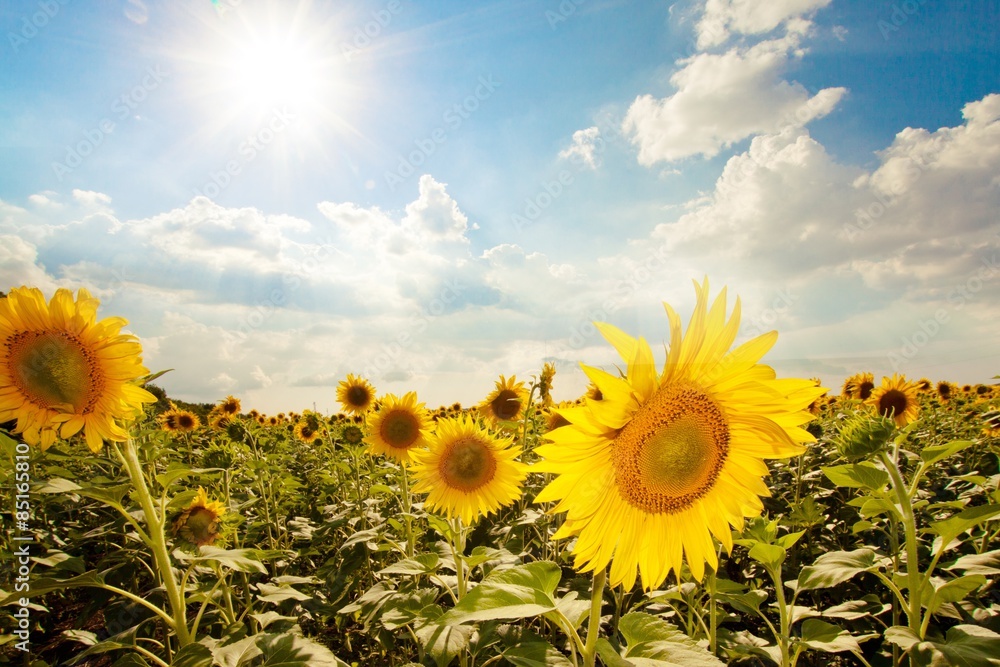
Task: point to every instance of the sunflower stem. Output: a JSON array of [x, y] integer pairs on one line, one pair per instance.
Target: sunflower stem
[[713, 619], [406, 514], [589, 651], [913, 574], [157, 542]]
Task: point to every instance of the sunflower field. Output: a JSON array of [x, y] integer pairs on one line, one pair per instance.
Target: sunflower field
[[696, 512]]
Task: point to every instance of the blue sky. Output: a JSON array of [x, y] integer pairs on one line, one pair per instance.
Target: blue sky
[[278, 194]]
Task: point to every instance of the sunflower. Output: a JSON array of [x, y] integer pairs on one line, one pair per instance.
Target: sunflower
[[230, 406], [663, 462], [352, 434], [506, 402], [468, 471], [924, 385], [554, 420], [594, 392], [199, 522], [306, 432], [355, 394], [859, 386], [545, 383], [179, 420], [63, 371], [896, 399], [945, 389], [399, 427]]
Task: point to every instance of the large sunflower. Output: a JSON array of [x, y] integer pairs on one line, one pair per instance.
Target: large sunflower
[[399, 427], [896, 399], [355, 394], [467, 471], [63, 371], [506, 402], [663, 462]]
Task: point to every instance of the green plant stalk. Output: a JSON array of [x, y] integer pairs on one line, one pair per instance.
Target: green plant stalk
[[410, 537], [589, 651], [157, 541], [913, 575], [784, 632], [713, 620]]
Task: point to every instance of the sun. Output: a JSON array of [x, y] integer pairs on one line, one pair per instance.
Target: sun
[[269, 70]]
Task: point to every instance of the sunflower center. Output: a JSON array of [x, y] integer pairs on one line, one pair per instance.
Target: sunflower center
[[186, 422], [357, 396], [467, 465], [672, 451], [865, 390], [892, 403], [506, 404], [55, 368], [400, 429]]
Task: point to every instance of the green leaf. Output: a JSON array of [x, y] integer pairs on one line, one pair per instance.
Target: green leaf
[[609, 655], [769, 555], [788, 540], [109, 495], [935, 453], [954, 526], [278, 594], [829, 638], [524, 591], [661, 643], [987, 563], [444, 642], [57, 485], [292, 650], [536, 654], [748, 602], [419, 564], [269, 617], [872, 507], [175, 471], [238, 653], [47, 585], [192, 655], [955, 590], [835, 567], [241, 560], [852, 610], [857, 475], [963, 645]]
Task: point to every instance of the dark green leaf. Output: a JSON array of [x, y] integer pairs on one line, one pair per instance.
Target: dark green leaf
[[935, 453], [536, 654], [661, 643], [834, 568], [857, 475], [520, 592]]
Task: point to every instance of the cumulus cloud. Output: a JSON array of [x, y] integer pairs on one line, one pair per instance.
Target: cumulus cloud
[[721, 99], [723, 18], [584, 147]]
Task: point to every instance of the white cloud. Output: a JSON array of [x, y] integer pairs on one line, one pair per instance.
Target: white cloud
[[722, 18], [722, 99], [584, 147]]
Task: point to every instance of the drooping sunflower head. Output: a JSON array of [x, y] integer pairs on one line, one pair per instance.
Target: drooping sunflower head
[[545, 383], [506, 402], [399, 427], [356, 395], [352, 434], [665, 461], [553, 420], [467, 471], [593, 393], [896, 399], [63, 371], [198, 524]]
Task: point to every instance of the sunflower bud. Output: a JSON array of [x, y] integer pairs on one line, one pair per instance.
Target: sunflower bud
[[863, 435]]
